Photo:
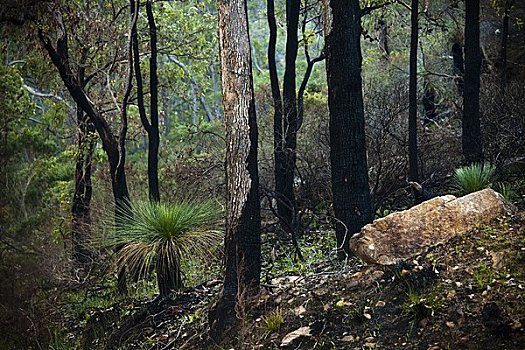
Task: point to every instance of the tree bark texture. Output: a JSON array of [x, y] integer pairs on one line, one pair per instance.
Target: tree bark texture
[[350, 189], [413, 173], [471, 130], [242, 241]]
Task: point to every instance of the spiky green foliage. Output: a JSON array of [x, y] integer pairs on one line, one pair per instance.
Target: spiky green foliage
[[474, 177], [162, 235], [506, 190]]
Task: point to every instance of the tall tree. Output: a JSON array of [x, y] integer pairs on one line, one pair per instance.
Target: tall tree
[[413, 174], [288, 110], [471, 129], [242, 241], [113, 144], [151, 125], [350, 189], [285, 112]]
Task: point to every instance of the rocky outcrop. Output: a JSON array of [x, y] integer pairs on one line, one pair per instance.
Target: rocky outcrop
[[402, 235]]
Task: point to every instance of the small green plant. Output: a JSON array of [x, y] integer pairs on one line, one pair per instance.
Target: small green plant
[[506, 190], [273, 320], [474, 177], [161, 235], [484, 276], [420, 306]]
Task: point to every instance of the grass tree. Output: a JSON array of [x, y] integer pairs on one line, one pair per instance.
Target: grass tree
[[474, 177], [159, 236]]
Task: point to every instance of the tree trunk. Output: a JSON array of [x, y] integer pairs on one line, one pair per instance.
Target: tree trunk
[[350, 189], [413, 174], [285, 152], [471, 130], [153, 134], [113, 145], [242, 241], [80, 210], [151, 125]]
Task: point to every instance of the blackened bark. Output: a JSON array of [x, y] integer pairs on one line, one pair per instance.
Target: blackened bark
[[81, 203], [242, 241], [413, 174], [153, 134], [350, 189], [471, 130], [168, 279], [113, 145], [278, 143], [285, 154], [151, 125], [459, 66], [60, 59]]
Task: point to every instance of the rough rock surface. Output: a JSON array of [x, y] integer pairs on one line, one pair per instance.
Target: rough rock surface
[[402, 235]]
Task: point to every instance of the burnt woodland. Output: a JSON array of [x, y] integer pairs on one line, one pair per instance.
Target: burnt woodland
[[234, 174]]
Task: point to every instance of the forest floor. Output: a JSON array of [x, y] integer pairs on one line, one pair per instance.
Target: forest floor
[[466, 294]]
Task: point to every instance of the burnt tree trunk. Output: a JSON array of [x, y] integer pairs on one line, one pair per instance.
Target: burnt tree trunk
[[151, 125], [81, 203], [471, 129], [413, 173], [242, 242], [110, 142], [350, 189], [285, 153], [113, 145]]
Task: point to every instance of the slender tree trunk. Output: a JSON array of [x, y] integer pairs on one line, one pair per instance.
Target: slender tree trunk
[[285, 153], [242, 242], [151, 125], [413, 174], [81, 203], [471, 130], [110, 142], [153, 135], [113, 145], [350, 189]]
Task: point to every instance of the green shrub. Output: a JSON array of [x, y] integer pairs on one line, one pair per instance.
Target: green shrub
[[162, 235], [474, 177]]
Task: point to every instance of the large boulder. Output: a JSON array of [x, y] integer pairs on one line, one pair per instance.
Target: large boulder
[[402, 235]]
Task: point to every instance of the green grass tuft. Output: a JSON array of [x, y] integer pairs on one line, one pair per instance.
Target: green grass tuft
[[474, 177]]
